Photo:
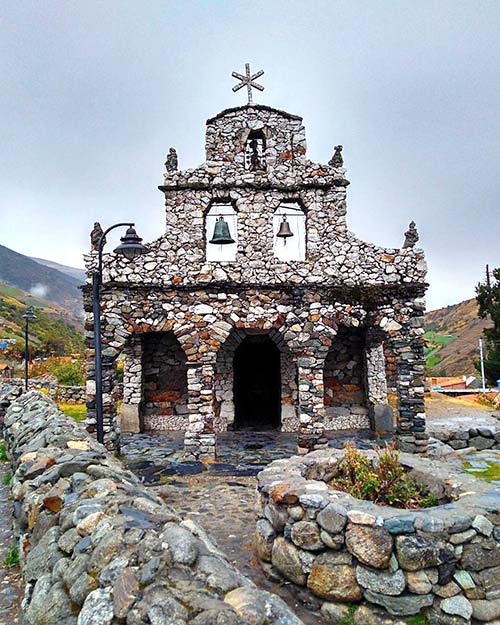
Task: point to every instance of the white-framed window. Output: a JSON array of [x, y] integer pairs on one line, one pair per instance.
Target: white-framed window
[[289, 218], [221, 219]]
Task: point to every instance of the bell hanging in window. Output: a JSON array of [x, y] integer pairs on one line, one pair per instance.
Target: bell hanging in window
[[222, 236], [284, 232]]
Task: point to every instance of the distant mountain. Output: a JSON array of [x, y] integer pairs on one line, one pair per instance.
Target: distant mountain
[[21, 272], [74, 272], [55, 330], [452, 336]]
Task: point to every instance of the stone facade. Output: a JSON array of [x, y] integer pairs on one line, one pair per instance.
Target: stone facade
[[324, 317], [443, 561]]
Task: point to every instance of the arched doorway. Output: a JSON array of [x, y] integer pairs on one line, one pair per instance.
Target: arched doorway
[[257, 383]]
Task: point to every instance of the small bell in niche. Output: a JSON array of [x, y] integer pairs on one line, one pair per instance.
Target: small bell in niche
[[284, 232], [222, 236]]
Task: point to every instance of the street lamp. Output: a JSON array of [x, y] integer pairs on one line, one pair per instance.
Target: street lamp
[[28, 315], [131, 246]]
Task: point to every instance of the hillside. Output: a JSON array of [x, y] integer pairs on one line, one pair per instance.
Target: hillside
[[51, 333], [452, 335], [21, 272], [74, 272]]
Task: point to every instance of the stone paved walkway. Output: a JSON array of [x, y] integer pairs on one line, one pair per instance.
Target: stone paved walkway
[[10, 581], [221, 496]]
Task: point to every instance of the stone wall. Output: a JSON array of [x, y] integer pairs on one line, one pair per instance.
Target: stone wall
[[478, 438], [444, 561], [98, 548], [58, 392]]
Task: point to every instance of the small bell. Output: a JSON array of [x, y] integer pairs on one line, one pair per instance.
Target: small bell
[[284, 232], [222, 236]]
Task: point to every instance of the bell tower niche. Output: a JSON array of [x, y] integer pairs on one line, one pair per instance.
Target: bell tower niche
[[221, 232], [289, 232]]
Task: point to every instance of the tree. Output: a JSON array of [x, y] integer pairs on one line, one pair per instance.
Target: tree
[[488, 299]]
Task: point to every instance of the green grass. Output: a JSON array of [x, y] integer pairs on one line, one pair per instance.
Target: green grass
[[492, 473], [78, 412], [7, 478], [12, 556], [3, 453], [419, 619], [348, 619]]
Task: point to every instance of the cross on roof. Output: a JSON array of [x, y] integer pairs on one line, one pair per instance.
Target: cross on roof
[[248, 81]]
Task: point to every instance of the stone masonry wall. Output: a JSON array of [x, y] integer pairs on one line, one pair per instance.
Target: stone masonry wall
[[98, 548], [443, 561]]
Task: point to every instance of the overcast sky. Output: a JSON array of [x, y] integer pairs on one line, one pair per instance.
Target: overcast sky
[[94, 93]]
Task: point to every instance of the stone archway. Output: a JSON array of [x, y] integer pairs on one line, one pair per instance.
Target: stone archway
[[257, 383]]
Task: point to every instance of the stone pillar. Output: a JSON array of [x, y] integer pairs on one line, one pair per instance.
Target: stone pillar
[[199, 439], [408, 349], [110, 420], [131, 418], [380, 412], [311, 404]]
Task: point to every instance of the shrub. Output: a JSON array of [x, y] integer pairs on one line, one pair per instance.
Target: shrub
[[3, 453], [384, 482], [68, 373], [7, 478], [12, 556]]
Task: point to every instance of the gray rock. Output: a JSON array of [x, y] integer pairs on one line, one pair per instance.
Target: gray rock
[[181, 543], [385, 582], [258, 606], [486, 610], [403, 605], [286, 559], [97, 609], [401, 524], [306, 535], [458, 605], [264, 538], [482, 525], [416, 552], [332, 518]]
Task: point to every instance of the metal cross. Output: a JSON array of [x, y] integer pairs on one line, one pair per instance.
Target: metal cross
[[248, 80]]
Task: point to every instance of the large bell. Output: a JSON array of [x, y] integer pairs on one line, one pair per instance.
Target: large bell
[[284, 232], [222, 236]]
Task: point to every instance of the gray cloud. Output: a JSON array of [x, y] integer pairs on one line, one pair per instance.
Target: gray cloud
[[93, 94]]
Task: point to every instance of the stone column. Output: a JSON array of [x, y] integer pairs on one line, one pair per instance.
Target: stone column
[[110, 421], [380, 412], [311, 404], [408, 349], [130, 418], [199, 439]]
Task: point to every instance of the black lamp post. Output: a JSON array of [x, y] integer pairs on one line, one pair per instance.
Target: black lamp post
[[130, 247], [28, 315]]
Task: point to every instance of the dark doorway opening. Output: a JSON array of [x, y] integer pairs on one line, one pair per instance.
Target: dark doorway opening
[[257, 384]]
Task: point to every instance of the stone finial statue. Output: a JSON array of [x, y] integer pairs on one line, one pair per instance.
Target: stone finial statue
[[171, 162], [337, 160], [95, 236], [411, 235]]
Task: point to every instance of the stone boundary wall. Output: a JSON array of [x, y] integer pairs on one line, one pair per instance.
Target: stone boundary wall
[[60, 392], [443, 561], [99, 548], [479, 438]]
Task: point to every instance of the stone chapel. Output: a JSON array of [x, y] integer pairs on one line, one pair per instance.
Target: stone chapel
[[257, 307]]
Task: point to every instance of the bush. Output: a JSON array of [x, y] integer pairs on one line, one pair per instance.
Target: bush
[[68, 373], [12, 556], [383, 482]]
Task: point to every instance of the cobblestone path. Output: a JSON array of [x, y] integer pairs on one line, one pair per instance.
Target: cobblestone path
[[221, 496], [10, 580]]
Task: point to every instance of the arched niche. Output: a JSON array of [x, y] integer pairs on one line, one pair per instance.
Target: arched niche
[[255, 151], [292, 247], [221, 252]]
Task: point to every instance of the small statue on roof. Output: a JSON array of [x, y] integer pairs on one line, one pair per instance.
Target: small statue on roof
[[95, 236], [411, 235], [171, 162], [337, 160]]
